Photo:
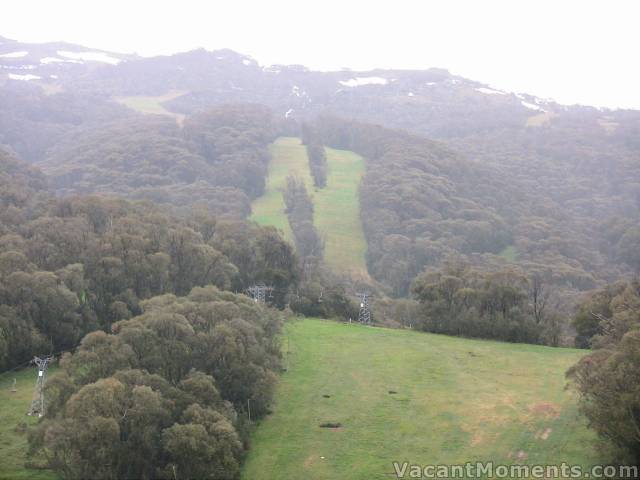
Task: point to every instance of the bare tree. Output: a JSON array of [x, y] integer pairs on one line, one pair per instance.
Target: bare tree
[[539, 295]]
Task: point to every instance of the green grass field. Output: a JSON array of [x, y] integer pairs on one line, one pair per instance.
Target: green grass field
[[457, 400], [13, 442], [337, 208], [152, 105], [509, 253]]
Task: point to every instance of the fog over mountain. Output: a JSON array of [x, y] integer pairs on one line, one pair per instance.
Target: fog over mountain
[[572, 51]]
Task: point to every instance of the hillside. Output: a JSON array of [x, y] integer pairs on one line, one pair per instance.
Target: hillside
[[13, 422], [50, 63], [455, 400], [497, 179], [152, 105], [337, 211]]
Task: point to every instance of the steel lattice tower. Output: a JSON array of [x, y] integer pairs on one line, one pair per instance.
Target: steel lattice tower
[[260, 292], [37, 403], [364, 314]]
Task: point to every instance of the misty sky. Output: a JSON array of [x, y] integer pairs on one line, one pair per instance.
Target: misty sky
[[573, 51]]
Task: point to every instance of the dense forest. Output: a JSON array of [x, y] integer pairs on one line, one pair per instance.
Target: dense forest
[[217, 160], [422, 202], [71, 266], [164, 364], [167, 394]]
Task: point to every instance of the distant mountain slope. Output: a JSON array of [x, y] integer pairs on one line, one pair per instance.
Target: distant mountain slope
[[51, 62], [431, 102], [512, 178], [218, 160], [23, 191]]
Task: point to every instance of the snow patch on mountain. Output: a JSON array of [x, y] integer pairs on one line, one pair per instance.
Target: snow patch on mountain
[[14, 54], [360, 81], [19, 67], [15, 76], [89, 56], [490, 91], [531, 106], [49, 60]]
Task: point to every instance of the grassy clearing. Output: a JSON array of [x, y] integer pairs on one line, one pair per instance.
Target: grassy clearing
[[509, 253], [456, 400], [337, 208], [540, 119], [608, 126], [152, 105], [338, 213], [13, 441], [288, 157]]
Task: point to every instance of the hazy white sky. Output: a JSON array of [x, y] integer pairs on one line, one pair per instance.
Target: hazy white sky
[[574, 51]]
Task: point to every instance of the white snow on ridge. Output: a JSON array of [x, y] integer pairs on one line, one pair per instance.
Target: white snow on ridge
[[430, 84], [14, 76], [360, 81], [531, 106], [14, 54], [490, 91], [48, 60], [89, 57], [246, 62], [289, 112], [19, 67]]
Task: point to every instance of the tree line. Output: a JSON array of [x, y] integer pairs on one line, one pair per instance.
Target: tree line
[[299, 209], [505, 305], [608, 379], [316, 154]]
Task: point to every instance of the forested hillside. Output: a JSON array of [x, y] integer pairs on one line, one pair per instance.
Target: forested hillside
[[422, 202], [516, 179], [71, 266], [218, 159]]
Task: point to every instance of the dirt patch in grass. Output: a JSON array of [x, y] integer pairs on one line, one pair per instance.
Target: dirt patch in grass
[[392, 392], [326, 396], [309, 461], [545, 409], [520, 455], [543, 434], [477, 438]]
